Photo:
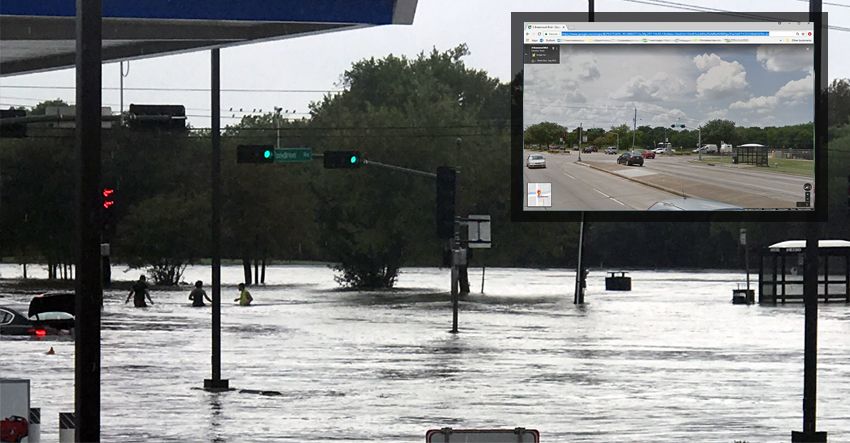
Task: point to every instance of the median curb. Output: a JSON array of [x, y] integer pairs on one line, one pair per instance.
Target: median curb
[[652, 185]]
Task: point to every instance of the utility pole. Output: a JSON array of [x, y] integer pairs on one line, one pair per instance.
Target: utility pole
[[634, 128], [579, 139]]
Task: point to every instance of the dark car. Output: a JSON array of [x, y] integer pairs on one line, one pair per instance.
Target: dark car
[[630, 158], [49, 314], [590, 149]]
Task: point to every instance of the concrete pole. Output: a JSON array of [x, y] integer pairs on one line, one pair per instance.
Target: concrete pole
[[88, 287]]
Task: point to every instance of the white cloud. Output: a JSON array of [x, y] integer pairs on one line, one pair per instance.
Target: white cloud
[[719, 78], [785, 57], [660, 87], [761, 103], [797, 90], [575, 97]]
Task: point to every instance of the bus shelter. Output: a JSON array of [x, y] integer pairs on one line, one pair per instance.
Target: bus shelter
[[781, 271], [750, 154]]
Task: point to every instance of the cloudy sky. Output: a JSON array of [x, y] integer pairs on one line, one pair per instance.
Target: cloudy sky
[[277, 68], [599, 86]]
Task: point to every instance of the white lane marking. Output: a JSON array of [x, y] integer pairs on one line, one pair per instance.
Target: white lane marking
[[609, 197], [603, 194], [570, 176]]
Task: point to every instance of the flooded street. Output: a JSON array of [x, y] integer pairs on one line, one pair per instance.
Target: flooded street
[[673, 360]]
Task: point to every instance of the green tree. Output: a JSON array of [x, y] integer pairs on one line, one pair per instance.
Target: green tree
[[718, 131], [546, 133], [41, 108], [408, 112], [164, 234]]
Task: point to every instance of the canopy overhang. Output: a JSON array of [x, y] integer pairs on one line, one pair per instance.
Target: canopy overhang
[[41, 36]]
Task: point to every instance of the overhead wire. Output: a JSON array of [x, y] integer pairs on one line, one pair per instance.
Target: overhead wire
[[742, 14]]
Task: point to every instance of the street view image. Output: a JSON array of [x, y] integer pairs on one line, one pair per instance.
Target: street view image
[[685, 127], [291, 221]]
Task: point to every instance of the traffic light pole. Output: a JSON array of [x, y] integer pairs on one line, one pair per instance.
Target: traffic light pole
[[458, 254]]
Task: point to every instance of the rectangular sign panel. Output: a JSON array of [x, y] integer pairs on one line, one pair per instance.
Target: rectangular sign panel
[[448, 435]]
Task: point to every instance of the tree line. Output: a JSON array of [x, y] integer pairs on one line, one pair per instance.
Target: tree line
[[715, 132], [419, 113]]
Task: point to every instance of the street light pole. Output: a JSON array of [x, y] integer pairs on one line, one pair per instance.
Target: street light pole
[[277, 124]]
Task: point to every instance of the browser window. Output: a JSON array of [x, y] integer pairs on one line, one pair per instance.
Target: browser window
[[626, 117]]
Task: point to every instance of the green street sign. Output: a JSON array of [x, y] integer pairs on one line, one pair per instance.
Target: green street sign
[[292, 155]]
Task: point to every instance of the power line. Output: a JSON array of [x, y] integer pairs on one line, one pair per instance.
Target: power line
[[829, 3], [112, 88], [687, 7]]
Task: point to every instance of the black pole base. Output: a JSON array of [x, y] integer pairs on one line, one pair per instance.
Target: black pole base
[[216, 385], [808, 437]]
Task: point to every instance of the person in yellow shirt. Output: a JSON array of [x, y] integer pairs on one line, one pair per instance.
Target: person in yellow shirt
[[244, 298]]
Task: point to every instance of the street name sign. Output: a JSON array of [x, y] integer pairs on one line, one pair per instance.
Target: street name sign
[[292, 155]]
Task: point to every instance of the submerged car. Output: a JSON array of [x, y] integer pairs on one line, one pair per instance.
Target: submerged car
[[630, 158], [48, 314], [535, 161]]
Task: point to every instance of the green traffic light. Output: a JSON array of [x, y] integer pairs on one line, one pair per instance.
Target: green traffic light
[[267, 153], [353, 159]]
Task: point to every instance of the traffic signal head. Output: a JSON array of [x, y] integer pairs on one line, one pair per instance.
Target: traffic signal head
[[254, 154], [108, 198], [446, 186], [342, 159]]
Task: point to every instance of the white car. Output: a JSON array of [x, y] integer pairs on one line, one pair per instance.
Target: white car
[[535, 161]]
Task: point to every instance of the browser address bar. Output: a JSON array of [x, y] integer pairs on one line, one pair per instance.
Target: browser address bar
[[665, 34]]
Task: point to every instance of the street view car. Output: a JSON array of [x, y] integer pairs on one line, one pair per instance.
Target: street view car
[[535, 161], [610, 150], [648, 154], [630, 158], [49, 314]]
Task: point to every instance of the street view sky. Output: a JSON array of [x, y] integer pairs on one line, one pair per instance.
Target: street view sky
[[315, 63], [599, 86]]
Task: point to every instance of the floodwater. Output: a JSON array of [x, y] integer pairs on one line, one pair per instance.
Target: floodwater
[[673, 360]]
